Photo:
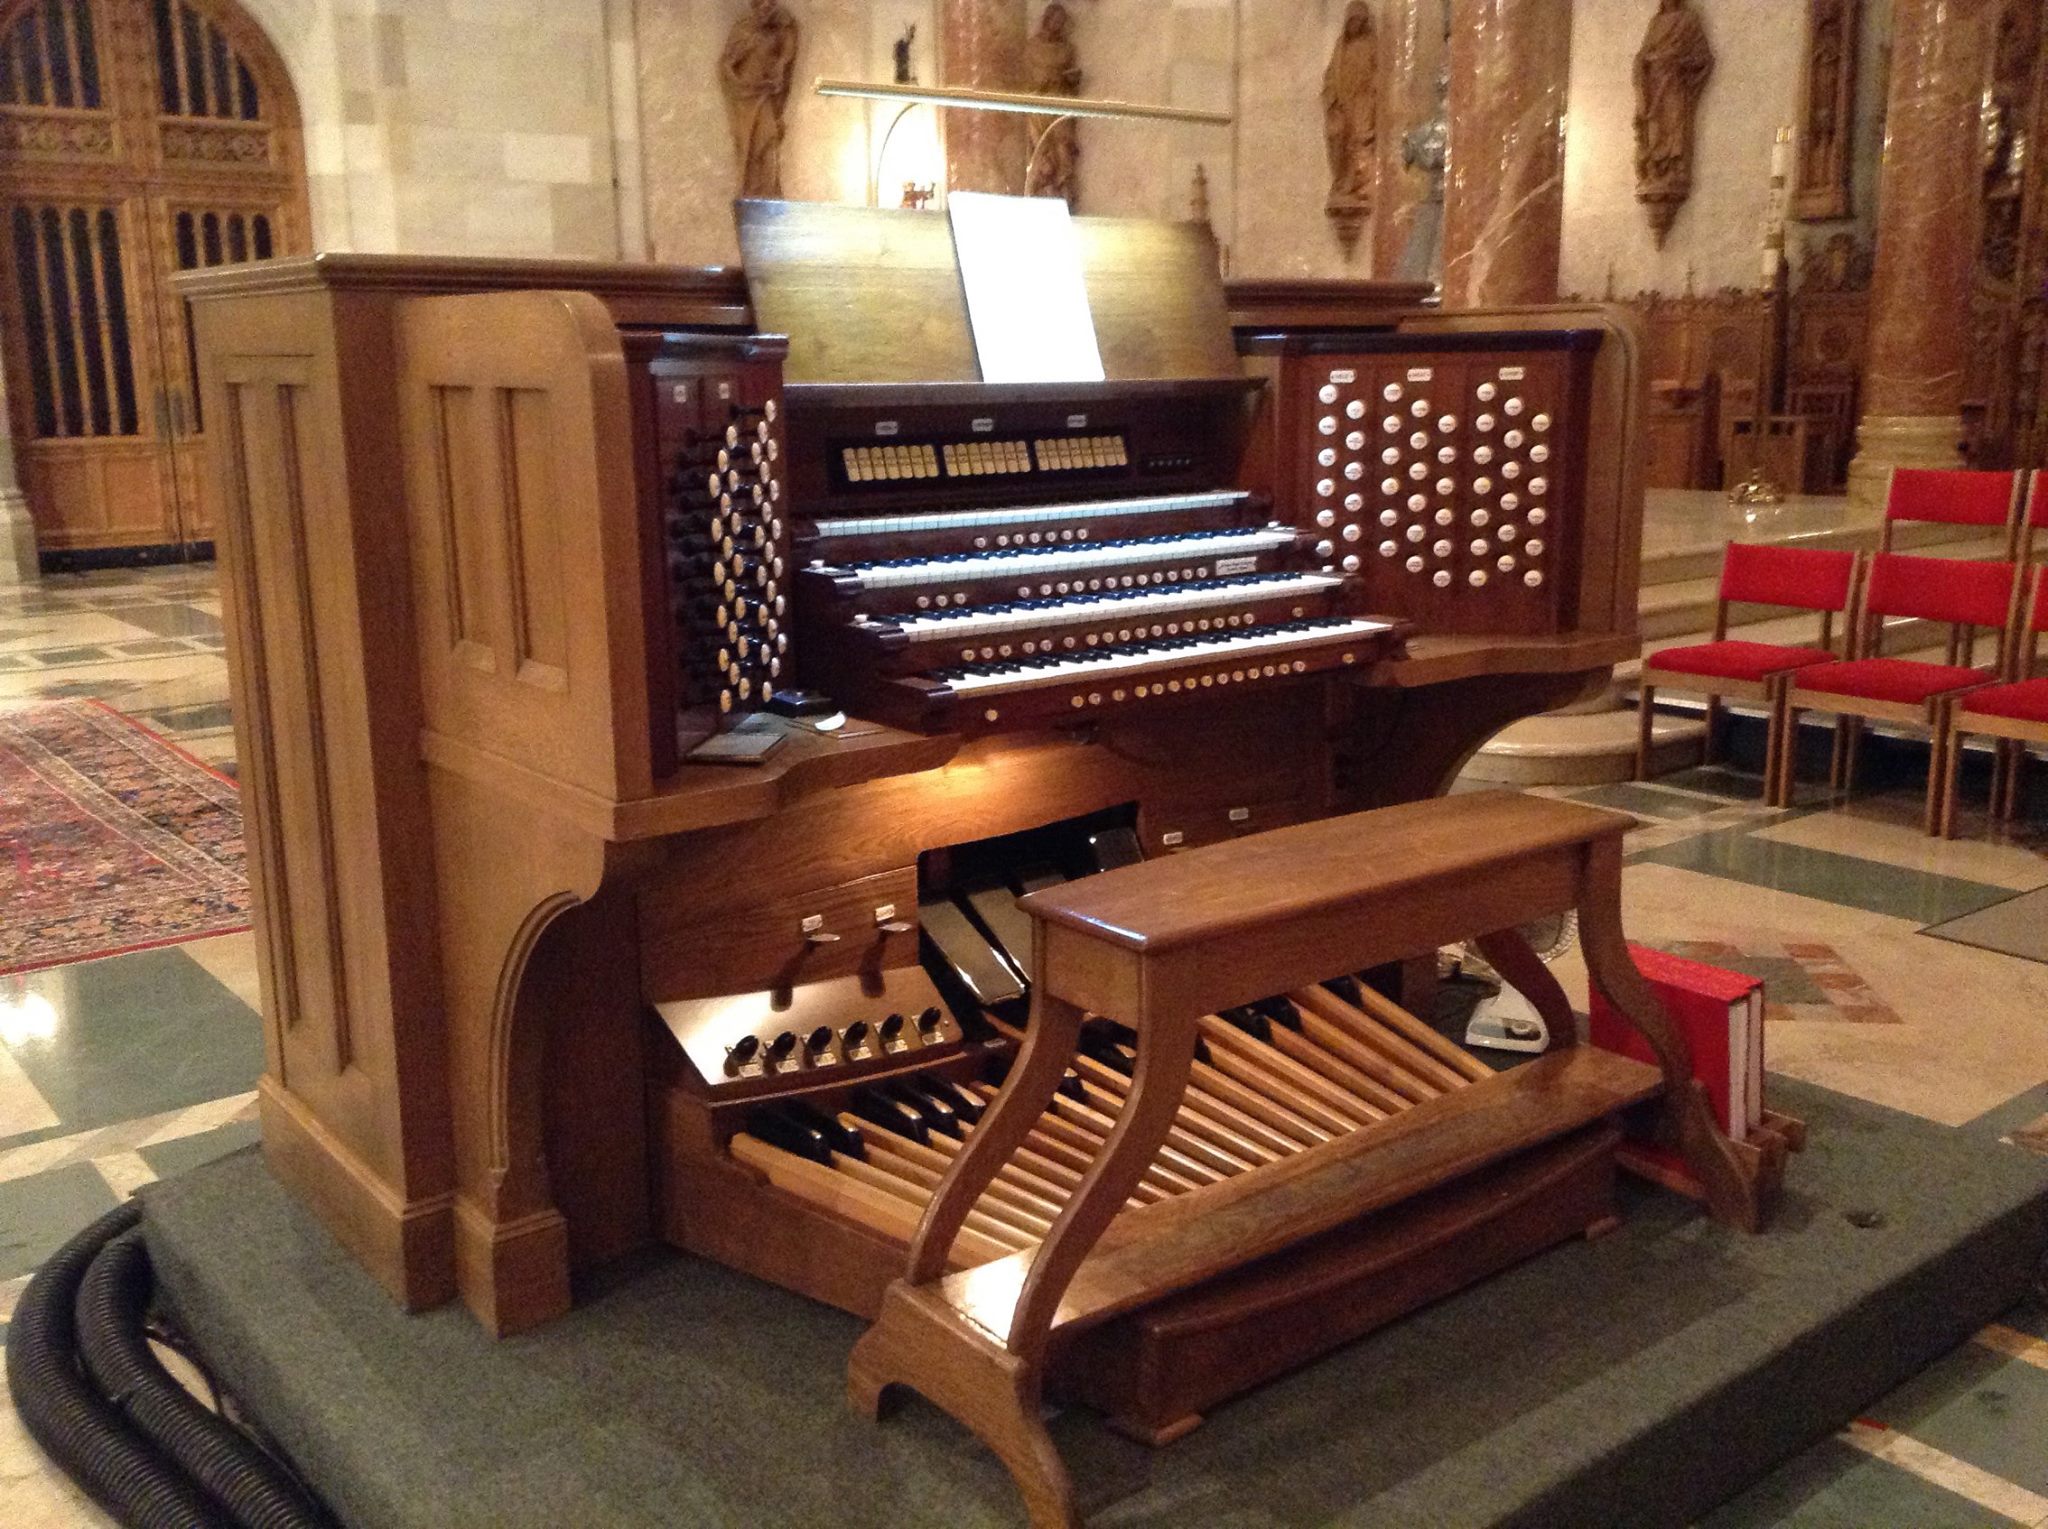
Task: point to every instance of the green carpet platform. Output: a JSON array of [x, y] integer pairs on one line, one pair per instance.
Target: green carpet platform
[[1636, 1380]]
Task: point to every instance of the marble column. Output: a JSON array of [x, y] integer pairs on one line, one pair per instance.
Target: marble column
[[1411, 36], [981, 43], [17, 532], [1920, 285], [1504, 186]]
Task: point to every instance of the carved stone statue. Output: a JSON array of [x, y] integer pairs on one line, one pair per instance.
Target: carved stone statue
[[1820, 184], [754, 74], [1053, 68], [1351, 119], [1672, 67], [1840, 264], [905, 75], [1426, 147]]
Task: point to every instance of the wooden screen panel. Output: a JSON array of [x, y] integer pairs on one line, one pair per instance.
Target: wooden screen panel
[[517, 446], [80, 346], [199, 73], [50, 57]]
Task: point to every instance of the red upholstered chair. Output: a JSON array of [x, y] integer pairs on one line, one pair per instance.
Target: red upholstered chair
[[1960, 593], [1952, 498], [1796, 578], [2015, 713], [1992, 501]]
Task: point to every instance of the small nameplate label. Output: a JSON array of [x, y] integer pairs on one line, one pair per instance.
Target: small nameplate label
[[1173, 840], [1513, 373], [886, 427], [725, 390], [982, 426], [1240, 814], [1421, 373], [1228, 566], [680, 392], [1346, 375], [1077, 422]]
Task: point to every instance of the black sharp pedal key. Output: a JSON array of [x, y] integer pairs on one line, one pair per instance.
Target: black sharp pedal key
[[969, 1107], [778, 1128], [938, 1114], [1104, 1049], [1281, 1011], [891, 1115], [1346, 988], [1251, 1021], [843, 1138]]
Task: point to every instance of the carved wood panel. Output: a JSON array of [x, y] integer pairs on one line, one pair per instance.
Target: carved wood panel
[[1827, 110], [159, 135]]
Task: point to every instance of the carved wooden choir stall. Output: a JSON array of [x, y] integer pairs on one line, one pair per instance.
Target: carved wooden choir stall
[[511, 549]]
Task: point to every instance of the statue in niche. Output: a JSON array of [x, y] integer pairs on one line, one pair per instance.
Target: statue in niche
[[1821, 179], [1426, 148], [905, 75], [1053, 68], [1351, 120], [1671, 72], [754, 74]]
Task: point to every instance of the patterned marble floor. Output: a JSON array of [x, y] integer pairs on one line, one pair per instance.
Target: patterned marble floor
[[119, 1071]]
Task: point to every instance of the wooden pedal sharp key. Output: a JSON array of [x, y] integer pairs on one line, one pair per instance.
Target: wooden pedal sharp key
[[1168, 945]]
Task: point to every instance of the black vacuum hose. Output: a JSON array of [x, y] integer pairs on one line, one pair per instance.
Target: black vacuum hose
[[253, 1489], [124, 1474]]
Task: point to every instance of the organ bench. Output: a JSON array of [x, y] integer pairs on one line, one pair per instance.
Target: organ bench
[[1161, 945]]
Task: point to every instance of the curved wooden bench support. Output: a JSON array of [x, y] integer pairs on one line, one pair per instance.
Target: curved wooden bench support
[[1162, 946]]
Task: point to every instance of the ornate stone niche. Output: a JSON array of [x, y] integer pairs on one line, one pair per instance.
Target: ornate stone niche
[[1827, 110]]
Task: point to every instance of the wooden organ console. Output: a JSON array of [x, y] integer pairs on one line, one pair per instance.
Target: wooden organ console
[[506, 545]]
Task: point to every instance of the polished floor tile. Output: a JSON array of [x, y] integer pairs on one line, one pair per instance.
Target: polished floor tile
[[39, 1215], [1861, 834], [137, 1035], [1741, 855], [1833, 1486]]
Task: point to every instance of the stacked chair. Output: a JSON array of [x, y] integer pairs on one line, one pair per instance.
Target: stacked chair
[[1951, 699], [1790, 578]]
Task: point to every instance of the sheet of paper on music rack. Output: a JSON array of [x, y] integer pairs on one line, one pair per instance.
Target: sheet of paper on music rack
[[1020, 262]]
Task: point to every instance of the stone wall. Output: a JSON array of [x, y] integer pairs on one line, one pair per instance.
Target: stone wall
[[463, 126], [595, 127]]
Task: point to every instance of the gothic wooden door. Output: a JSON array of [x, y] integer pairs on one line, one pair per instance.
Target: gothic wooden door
[[137, 138]]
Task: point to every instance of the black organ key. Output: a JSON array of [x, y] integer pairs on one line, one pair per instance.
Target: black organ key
[[891, 1114], [841, 1137], [779, 1128], [967, 1105], [934, 1111]]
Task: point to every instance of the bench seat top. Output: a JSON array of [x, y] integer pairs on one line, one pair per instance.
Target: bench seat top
[[1288, 874]]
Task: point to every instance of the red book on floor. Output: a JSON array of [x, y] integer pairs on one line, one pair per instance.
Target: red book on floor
[[1721, 1015]]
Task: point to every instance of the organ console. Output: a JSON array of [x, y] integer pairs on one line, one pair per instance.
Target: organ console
[[507, 545]]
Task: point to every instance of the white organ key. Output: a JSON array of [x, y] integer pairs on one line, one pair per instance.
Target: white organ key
[[1201, 650], [1068, 561], [1027, 515], [1132, 607]]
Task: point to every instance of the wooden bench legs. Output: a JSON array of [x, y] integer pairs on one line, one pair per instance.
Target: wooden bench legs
[[993, 1381]]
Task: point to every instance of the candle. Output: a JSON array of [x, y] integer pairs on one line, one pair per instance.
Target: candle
[[1781, 155]]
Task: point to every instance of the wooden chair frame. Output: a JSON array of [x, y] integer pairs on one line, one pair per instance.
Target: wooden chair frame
[[1852, 712], [1773, 690], [2014, 734]]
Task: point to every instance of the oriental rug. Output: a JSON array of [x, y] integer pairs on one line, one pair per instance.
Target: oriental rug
[[111, 839]]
